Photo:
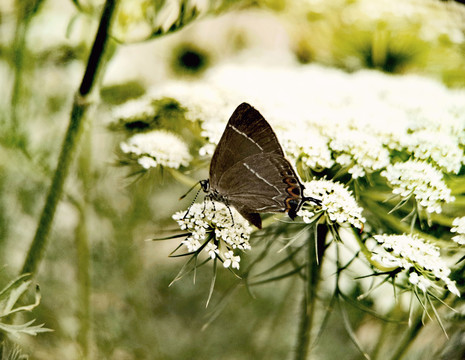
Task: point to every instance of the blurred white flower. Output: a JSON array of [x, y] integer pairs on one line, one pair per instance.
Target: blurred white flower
[[420, 179], [157, 147], [338, 203], [459, 228], [134, 110], [414, 254], [216, 230]]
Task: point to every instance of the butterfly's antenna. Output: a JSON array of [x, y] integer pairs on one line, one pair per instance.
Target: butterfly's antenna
[[193, 201], [188, 191]]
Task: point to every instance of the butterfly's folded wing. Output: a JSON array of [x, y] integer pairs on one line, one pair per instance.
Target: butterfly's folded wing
[[262, 182], [246, 133]]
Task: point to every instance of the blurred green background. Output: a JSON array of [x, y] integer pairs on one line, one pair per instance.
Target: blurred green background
[[104, 288]]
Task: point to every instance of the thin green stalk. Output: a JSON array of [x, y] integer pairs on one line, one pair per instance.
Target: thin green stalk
[[71, 141], [394, 221], [26, 9], [82, 247], [385, 328], [307, 310], [411, 334], [83, 280]]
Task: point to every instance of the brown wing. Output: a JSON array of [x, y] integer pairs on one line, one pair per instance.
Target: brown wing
[[246, 133], [261, 183]]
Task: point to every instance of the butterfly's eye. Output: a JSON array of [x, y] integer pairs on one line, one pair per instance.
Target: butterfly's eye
[[293, 203]]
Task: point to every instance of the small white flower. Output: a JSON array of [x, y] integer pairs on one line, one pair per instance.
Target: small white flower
[[147, 162], [459, 228], [338, 203], [207, 150], [420, 179], [231, 260], [212, 250], [420, 281], [192, 244], [157, 147], [450, 284], [213, 220], [410, 252]]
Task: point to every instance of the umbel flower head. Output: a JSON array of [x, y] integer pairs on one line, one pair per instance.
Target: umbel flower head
[[338, 204], [215, 229], [139, 109], [420, 179], [157, 147], [308, 147], [421, 259], [359, 151]]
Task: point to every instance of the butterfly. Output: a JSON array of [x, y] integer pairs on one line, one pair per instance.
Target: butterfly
[[248, 170]]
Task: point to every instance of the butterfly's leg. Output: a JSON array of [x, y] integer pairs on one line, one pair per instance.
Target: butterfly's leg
[[205, 203]]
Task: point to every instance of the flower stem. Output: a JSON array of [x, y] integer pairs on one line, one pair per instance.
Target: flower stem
[[411, 334], [315, 256], [368, 255], [82, 246], [26, 9], [83, 279], [393, 221], [71, 141]]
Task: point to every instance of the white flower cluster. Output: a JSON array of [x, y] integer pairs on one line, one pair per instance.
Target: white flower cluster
[[420, 179], [440, 147], [359, 151], [420, 258], [459, 228], [131, 110], [157, 147], [309, 148], [323, 116], [213, 230], [338, 203]]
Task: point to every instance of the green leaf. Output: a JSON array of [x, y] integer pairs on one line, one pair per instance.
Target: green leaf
[[25, 328], [10, 351], [12, 292]]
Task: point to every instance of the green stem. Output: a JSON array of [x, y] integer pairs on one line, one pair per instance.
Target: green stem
[[307, 311], [83, 279], [368, 255], [394, 221], [26, 9], [411, 334], [71, 141], [82, 247]]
